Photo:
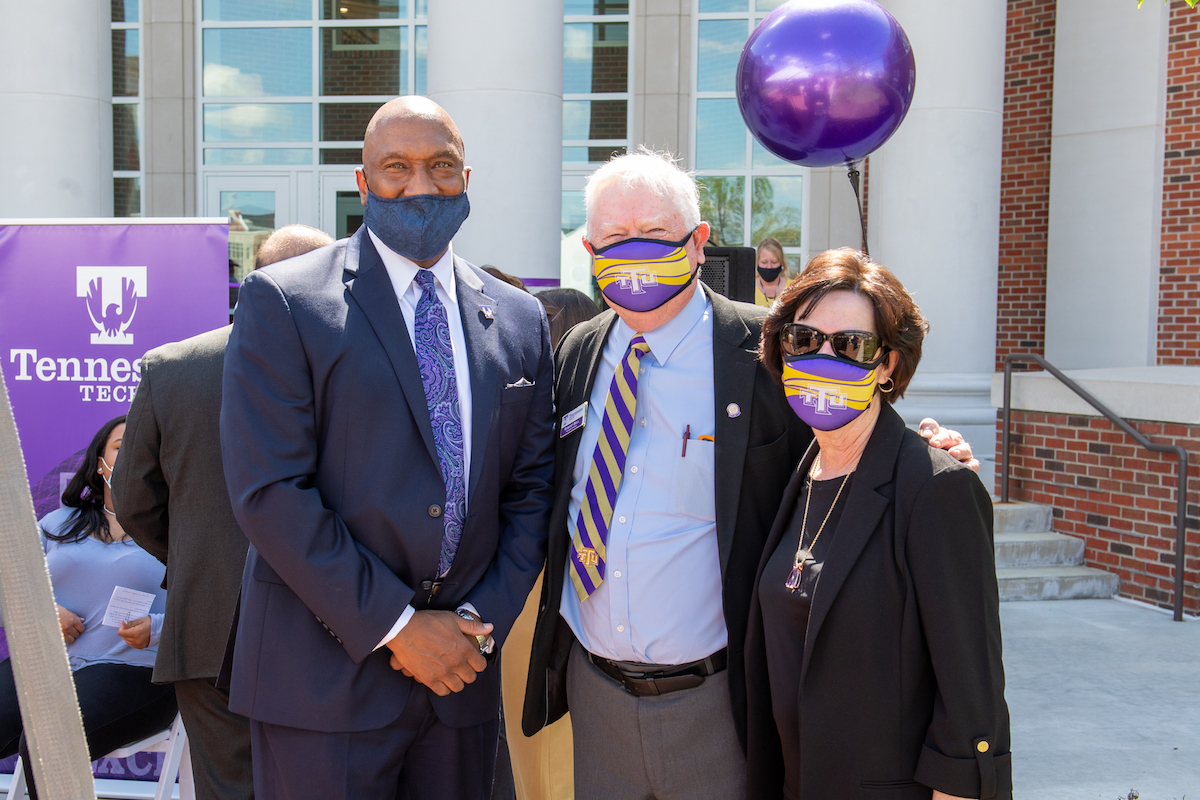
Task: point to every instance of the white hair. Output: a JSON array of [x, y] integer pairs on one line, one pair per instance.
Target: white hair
[[649, 171]]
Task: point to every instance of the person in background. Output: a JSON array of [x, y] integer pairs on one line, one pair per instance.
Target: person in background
[[511, 280], [169, 489], [541, 764], [873, 657], [88, 554], [770, 273]]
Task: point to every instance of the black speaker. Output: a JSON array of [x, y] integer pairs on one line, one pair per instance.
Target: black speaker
[[729, 271]]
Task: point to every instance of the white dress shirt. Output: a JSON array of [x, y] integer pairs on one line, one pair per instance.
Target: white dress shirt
[[403, 274]]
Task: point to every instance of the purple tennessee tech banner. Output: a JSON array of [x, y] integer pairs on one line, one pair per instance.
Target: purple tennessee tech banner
[[80, 302]]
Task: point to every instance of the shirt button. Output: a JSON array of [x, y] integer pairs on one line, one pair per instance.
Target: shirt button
[[617, 574], [643, 422], [633, 470], [620, 628], [621, 520]]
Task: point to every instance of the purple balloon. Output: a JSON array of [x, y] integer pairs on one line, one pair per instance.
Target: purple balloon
[[824, 82]]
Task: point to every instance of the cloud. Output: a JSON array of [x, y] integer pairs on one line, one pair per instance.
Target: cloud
[[221, 80]]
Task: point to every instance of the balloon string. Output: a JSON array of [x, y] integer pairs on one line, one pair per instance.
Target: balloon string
[[853, 174]]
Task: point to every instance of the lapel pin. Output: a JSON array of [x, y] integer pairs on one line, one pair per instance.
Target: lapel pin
[[487, 312], [733, 410]]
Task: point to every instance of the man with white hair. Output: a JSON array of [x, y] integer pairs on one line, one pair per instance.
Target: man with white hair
[[673, 452]]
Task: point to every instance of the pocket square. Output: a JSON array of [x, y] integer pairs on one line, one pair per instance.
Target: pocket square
[[520, 383]]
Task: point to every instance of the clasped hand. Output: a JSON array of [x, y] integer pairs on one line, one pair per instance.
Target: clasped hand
[[438, 649]]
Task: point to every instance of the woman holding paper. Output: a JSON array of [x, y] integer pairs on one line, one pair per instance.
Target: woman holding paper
[[103, 584]]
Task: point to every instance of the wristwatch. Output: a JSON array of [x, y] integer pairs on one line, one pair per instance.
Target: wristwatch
[[481, 640]]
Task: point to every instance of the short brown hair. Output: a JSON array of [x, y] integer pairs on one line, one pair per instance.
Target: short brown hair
[[898, 322]]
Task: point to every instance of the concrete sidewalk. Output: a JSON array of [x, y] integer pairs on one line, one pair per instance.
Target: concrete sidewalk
[[1105, 699]]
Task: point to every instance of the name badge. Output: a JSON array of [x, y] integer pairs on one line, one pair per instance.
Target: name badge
[[573, 420]]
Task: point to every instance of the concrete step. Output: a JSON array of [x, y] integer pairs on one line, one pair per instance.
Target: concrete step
[[1038, 549], [1055, 583], [1021, 517]]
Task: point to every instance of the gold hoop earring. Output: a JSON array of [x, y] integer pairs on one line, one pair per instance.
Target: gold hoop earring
[[891, 386]]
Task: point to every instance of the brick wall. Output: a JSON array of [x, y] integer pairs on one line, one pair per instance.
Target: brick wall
[[1025, 178], [1179, 279], [1112, 493]]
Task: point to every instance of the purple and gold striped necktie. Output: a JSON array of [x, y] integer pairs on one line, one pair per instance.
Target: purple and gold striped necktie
[[604, 477]]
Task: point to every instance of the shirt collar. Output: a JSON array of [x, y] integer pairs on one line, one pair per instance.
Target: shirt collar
[[664, 339], [403, 271]]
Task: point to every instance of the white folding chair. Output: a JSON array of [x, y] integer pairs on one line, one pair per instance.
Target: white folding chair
[[172, 741]]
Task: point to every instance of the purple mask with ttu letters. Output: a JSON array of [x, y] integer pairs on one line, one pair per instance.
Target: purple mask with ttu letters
[[642, 274], [828, 392]]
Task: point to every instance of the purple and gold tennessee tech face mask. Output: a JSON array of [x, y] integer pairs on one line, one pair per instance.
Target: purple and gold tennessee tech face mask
[[642, 274], [828, 392]]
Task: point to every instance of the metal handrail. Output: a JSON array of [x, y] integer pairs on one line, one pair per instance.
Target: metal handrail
[[1182, 472]]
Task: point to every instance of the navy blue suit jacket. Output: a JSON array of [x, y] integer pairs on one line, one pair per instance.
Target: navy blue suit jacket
[[333, 474]]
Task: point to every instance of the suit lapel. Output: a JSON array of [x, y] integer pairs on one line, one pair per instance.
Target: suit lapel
[[579, 391], [368, 282], [864, 509], [483, 353], [734, 354]]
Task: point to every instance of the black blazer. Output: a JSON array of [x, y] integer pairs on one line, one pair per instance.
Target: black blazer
[[755, 451], [168, 488], [901, 680], [333, 475]]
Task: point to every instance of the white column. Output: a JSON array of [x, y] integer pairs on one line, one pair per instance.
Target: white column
[[1106, 182], [935, 208], [55, 109], [497, 68]]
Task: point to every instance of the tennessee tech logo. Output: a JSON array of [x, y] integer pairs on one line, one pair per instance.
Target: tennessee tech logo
[[823, 398], [634, 280], [112, 298]]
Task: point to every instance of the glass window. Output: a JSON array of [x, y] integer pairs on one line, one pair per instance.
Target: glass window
[[346, 122], [722, 205], [342, 156], [574, 212], [256, 10], [364, 61], [720, 135], [257, 62], [261, 155], [595, 57], [258, 122], [419, 69], [777, 204], [767, 5], [720, 46], [127, 197], [594, 119], [126, 155], [349, 210], [364, 9], [597, 8], [708, 6], [125, 62], [124, 10]]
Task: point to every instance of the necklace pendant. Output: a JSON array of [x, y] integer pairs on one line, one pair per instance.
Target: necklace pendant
[[793, 579]]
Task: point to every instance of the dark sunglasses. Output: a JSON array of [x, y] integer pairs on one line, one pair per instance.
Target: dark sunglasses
[[857, 346]]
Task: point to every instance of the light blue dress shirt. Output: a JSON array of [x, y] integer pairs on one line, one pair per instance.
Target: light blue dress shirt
[[660, 602]]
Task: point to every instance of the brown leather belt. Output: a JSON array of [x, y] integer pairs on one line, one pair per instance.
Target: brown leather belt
[[651, 680]]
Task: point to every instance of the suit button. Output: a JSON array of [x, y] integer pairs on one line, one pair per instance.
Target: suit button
[[982, 747], [435, 511]]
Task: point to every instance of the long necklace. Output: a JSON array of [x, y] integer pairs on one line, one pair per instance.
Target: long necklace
[[802, 552]]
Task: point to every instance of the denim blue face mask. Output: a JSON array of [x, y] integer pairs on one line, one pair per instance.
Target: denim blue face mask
[[418, 227]]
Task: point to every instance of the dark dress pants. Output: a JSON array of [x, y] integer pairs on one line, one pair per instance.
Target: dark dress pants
[[118, 702], [417, 757], [219, 741]]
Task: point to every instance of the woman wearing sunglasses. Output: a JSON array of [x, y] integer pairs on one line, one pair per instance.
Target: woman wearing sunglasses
[[873, 655]]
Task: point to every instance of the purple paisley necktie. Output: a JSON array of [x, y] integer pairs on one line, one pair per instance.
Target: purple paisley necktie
[[436, 361]]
